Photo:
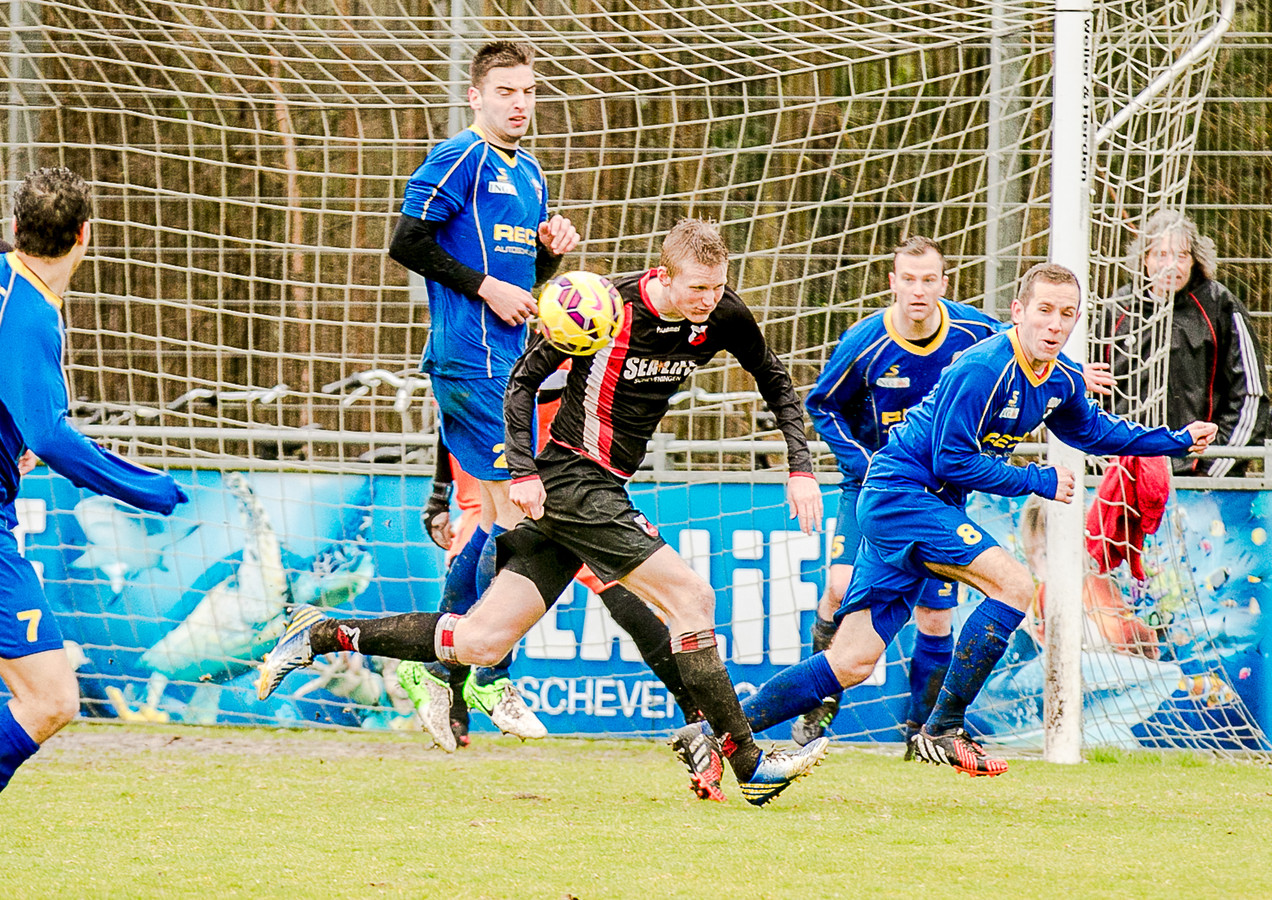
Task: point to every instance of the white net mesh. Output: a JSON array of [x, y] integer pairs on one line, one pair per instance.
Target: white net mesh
[[239, 310]]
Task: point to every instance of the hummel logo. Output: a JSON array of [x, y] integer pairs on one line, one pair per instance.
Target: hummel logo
[[347, 637], [666, 329]]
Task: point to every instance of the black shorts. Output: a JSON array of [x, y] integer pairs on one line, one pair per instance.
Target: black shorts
[[587, 518]]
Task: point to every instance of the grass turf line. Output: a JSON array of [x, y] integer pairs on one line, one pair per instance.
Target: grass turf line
[[109, 811]]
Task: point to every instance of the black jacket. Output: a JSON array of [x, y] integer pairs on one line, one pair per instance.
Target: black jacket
[[1215, 374]]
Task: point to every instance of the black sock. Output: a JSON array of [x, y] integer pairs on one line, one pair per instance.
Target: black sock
[[653, 640], [708, 681], [408, 636], [823, 634]]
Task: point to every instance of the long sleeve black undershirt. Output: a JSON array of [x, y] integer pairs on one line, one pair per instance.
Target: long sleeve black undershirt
[[415, 246]]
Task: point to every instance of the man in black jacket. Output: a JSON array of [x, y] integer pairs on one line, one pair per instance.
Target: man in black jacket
[[1215, 371]]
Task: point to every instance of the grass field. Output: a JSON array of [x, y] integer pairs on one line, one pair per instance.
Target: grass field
[[111, 811]]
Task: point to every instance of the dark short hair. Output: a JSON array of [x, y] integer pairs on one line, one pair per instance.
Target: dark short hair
[[693, 240], [498, 55], [50, 207], [1051, 273], [917, 245]]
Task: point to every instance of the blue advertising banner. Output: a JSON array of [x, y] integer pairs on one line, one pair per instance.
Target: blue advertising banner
[[167, 617]]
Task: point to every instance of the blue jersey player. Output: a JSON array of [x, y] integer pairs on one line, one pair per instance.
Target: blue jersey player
[[884, 365], [475, 225], [51, 233], [911, 512]]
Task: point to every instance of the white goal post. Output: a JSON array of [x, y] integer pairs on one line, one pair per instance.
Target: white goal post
[[1080, 143]]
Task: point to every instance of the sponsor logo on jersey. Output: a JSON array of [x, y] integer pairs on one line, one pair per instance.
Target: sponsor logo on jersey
[[893, 378], [516, 234], [666, 329], [502, 184], [697, 334], [638, 369], [1012, 411]]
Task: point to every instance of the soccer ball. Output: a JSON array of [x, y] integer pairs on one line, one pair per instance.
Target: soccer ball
[[580, 312]]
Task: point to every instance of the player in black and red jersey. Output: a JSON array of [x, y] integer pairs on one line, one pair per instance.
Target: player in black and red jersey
[[679, 315]]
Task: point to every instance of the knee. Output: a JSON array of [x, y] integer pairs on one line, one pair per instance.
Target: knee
[[65, 707], [837, 585], [849, 665], [691, 604], [54, 708], [480, 649], [934, 622], [1018, 590]]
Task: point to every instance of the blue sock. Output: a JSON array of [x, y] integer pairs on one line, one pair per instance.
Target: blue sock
[[16, 746], [486, 563], [981, 644], [485, 575], [928, 665], [459, 590], [791, 692]]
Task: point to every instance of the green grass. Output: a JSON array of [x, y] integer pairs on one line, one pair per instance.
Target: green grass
[[109, 811]]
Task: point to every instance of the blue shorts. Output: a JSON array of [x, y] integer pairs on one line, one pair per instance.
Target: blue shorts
[[473, 424], [26, 621], [903, 532], [934, 594]]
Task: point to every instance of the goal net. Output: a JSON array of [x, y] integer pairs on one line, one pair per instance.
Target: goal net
[[238, 312]]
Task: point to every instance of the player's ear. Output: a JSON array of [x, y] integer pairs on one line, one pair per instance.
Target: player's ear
[[1017, 311], [474, 98], [85, 233]]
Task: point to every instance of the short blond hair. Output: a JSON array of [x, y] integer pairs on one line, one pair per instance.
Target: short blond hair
[[917, 245], [693, 240]]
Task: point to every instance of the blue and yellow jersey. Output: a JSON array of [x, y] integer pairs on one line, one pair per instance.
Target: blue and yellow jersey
[[490, 203], [875, 376], [986, 402], [33, 400]]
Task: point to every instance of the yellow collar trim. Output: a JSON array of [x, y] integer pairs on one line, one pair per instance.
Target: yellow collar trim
[[939, 338], [1034, 379], [502, 151], [36, 282]]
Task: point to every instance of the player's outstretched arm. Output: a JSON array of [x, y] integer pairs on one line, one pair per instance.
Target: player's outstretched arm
[[746, 342], [839, 387], [1081, 423], [34, 393]]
